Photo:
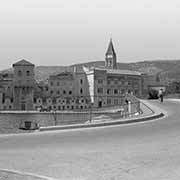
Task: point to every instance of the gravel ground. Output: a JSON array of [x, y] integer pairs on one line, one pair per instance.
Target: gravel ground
[[5, 175]]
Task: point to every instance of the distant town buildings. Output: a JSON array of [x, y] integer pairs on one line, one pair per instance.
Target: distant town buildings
[[70, 90]]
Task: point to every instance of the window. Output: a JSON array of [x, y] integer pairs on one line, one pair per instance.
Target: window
[[115, 91], [59, 107], [51, 92], [64, 92], [51, 83], [100, 90], [81, 90], [54, 101], [19, 73], [136, 92], [126, 83], [57, 83], [68, 101], [58, 92], [108, 101], [122, 91], [100, 81], [108, 91], [44, 100], [109, 82], [70, 92], [116, 101], [28, 73], [81, 81]]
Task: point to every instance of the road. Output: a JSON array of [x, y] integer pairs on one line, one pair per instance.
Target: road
[[148, 151]]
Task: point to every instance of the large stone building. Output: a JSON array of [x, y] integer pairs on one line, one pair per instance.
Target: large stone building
[[69, 90]]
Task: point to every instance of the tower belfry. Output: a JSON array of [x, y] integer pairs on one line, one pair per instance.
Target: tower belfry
[[110, 57]]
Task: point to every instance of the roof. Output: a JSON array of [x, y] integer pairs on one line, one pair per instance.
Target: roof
[[119, 71], [110, 49], [23, 62], [127, 72]]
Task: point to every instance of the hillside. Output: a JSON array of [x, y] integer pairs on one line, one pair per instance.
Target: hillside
[[168, 70]]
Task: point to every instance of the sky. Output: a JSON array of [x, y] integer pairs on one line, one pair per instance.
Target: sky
[[65, 32]]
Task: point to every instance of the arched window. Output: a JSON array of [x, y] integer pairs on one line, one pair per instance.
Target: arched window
[[28, 73], [19, 73], [81, 91]]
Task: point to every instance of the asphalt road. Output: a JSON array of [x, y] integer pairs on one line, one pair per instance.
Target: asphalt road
[[148, 151]]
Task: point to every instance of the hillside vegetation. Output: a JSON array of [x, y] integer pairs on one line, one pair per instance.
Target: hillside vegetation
[[168, 70]]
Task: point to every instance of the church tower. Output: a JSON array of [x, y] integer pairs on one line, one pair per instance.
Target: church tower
[[110, 57]]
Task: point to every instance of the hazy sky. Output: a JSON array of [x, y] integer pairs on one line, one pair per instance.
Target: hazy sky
[[64, 32]]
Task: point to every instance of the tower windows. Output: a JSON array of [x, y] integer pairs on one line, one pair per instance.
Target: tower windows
[[81, 81]]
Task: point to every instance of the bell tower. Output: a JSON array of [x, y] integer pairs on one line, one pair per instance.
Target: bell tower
[[110, 57]]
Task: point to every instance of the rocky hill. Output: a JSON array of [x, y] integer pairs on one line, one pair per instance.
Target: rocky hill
[[168, 70]]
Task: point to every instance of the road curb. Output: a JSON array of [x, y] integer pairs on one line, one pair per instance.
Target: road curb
[[26, 174], [117, 122]]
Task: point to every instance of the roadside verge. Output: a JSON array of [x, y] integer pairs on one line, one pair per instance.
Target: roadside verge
[[155, 114]]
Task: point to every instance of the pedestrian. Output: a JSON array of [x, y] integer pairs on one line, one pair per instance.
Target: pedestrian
[[161, 95]]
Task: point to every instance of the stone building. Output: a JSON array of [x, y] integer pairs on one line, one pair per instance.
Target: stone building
[[69, 90], [65, 91], [108, 86]]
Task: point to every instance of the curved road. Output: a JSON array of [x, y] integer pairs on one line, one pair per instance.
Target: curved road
[[148, 151]]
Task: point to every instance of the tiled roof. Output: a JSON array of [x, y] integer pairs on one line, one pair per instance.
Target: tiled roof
[[23, 63]]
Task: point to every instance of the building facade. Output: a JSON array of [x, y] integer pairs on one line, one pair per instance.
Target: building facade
[[70, 90]]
